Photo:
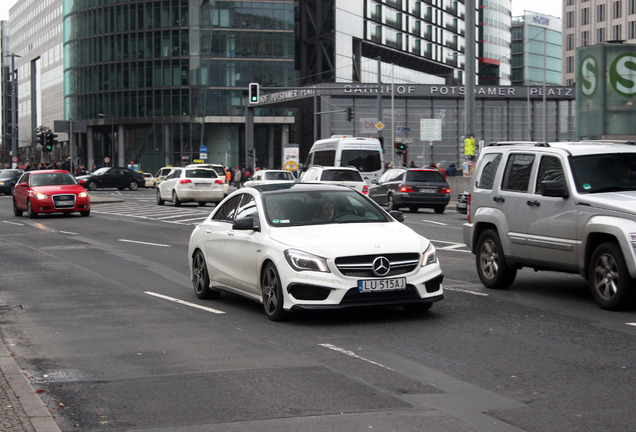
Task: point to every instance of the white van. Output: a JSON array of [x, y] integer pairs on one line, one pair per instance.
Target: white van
[[364, 154]]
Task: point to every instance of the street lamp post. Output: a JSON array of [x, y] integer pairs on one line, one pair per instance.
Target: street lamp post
[[14, 112], [112, 134]]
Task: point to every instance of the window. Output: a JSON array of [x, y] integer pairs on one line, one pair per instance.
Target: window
[[585, 38], [247, 209], [487, 178], [569, 42], [600, 35], [600, 13], [585, 16], [617, 9], [617, 32], [517, 172], [631, 30], [227, 211], [550, 169], [569, 19]]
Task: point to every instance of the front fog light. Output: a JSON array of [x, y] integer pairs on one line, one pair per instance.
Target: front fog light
[[303, 261], [429, 256]]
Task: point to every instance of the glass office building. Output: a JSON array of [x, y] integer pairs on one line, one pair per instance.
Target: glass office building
[[158, 82]]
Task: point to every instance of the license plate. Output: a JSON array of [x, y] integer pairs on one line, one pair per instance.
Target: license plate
[[201, 184], [428, 190], [63, 203], [376, 285]]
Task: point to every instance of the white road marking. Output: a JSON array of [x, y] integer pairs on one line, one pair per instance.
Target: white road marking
[[466, 291], [68, 232], [185, 303], [352, 354], [434, 222], [13, 223], [144, 243], [631, 324]]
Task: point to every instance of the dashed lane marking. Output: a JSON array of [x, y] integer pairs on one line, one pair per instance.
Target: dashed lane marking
[[185, 303]]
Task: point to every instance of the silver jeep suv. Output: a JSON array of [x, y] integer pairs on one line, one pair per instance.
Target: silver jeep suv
[[564, 206]]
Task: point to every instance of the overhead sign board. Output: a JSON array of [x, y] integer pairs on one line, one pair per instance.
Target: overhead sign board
[[431, 129]]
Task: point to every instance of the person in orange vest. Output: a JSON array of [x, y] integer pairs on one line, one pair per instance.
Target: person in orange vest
[[228, 175]]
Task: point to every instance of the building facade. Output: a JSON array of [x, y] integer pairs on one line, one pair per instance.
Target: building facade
[[536, 50], [494, 40], [588, 23]]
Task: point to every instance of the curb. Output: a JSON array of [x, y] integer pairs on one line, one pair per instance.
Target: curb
[[37, 413]]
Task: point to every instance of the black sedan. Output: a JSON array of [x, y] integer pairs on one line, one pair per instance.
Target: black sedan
[[414, 188], [120, 178], [8, 179]]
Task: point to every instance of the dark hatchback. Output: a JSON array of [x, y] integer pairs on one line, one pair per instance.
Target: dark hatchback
[[414, 188], [8, 179], [120, 178]]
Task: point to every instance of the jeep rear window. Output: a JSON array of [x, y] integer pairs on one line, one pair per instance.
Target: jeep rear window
[[517, 173], [490, 164]]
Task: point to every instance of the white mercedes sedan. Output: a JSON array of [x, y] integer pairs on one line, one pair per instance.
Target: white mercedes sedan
[[296, 247]]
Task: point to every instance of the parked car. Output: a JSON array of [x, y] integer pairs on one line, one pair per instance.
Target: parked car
[[414, 188], [301, 246], [113, 177], [162, 174], [347, 176], [201, 185], [561, 206], [270, 176], [220, 170], [150, 180], [462, 202], [8, 179], [50, 191]]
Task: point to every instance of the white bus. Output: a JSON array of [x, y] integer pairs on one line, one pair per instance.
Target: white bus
[[364, 154]]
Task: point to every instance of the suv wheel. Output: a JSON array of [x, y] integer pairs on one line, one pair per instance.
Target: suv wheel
[[492, 268], [610, 283]]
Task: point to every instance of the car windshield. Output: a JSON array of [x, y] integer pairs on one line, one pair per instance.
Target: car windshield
[[52, 179], [318, 207], [424, 176], [341, 175], [604, 172], [363, 160], [8, 174], [101, 171], [200, 173], [281, 175]]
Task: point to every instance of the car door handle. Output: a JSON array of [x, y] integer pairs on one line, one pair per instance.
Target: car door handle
[[533, 203], [498, 199]]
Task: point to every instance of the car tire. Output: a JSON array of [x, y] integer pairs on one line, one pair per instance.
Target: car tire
[[202, 204], [610, 283], [492, 268], [16, 210], [201, 278], [32, 214], [159, 200], [439, 209], [272, 293], [85, 213], [175, 199], [390, 203], [91, 185], [414, 209], [417, 307], [133, 186]]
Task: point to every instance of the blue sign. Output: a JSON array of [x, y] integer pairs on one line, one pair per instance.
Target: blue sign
[[203, 149]]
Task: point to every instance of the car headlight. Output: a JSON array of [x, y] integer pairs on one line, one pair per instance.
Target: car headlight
[[82, 194], [303, 261], [40, 195], [429, 256]]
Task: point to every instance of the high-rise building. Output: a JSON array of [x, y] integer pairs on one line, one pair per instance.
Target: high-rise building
[[536, 50], [588, 23], [494, 42]]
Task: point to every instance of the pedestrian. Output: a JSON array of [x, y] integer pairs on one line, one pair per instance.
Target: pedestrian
[[441, 170], [237, 178], [228, 175], [451, 171]]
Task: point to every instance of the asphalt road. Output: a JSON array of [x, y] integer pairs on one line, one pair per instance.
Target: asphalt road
[[100, 312]]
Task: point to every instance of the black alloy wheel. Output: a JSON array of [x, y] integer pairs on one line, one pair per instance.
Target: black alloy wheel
[[201, 278], [272, 293]]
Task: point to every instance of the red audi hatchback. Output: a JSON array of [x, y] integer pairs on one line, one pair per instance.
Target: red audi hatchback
[[50, 191]]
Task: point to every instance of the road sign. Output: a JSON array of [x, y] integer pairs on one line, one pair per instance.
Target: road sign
[[379, 125], [430, 129]]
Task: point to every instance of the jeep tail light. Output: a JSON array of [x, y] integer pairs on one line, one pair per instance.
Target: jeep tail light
[[219, 181], [185, 181], [445, 190], [365, 189], [407, 188]]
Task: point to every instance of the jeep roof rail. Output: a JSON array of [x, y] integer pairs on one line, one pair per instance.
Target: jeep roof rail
[[609, 141], [528, 143]]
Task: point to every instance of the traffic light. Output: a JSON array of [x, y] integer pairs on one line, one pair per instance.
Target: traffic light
[[39, 136], [254, 88], [350, 114], [250, 152], [400, 147], [50, 141]]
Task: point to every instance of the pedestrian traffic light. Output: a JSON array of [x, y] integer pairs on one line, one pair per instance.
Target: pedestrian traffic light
[[400, 147], [253, 90], [50, 141], [350, 114], [39, 136]]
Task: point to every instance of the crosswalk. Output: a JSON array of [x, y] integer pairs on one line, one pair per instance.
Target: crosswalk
[[186, 215]]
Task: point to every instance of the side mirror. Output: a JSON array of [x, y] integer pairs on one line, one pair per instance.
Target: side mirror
[[23, 184], [554, 188], [244, 224], [375, 181], [81, 181], [397, 215]]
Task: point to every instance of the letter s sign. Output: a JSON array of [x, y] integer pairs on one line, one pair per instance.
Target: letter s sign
[[622, 74], [588, 75]]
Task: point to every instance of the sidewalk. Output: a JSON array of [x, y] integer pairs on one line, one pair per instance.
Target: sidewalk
[[21, 409]]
